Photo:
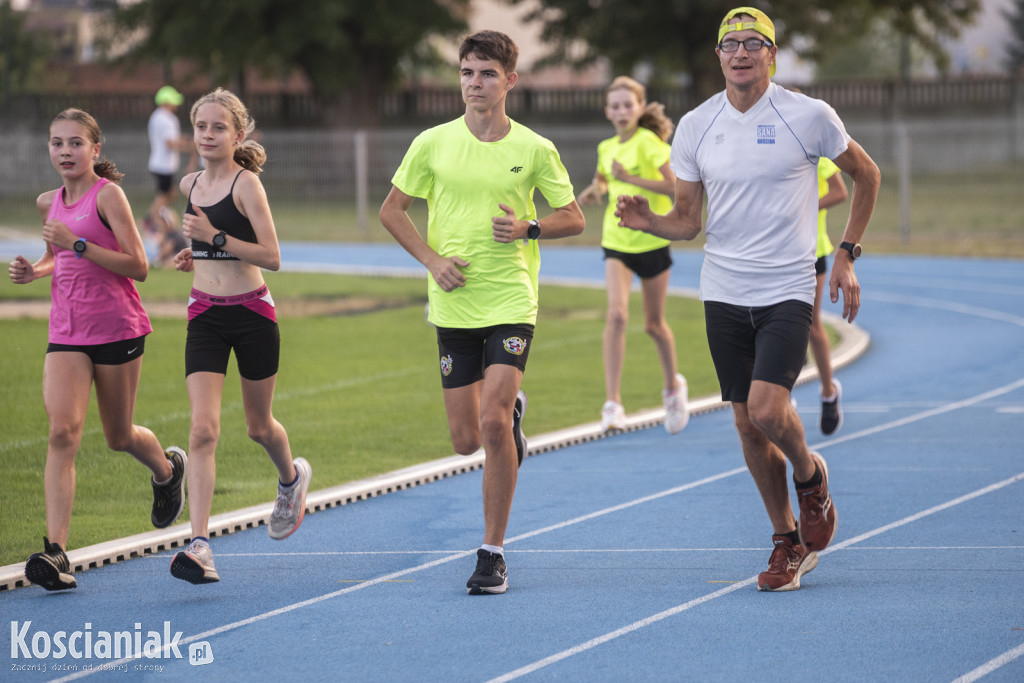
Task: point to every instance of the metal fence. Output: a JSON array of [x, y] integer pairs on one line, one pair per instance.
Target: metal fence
[[332, 167]]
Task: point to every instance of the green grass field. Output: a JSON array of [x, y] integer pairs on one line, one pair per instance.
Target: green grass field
[[345, 380]]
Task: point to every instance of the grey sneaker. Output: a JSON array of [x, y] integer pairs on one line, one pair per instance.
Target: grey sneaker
[[291, 503], [195, 564], [491, 575], [50, 568], [518, 413], [677, 406], [169, 498]]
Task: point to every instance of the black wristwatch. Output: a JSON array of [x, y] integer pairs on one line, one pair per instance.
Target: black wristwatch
[[853, 249], [80, 247], [533, 232], [220, 239]]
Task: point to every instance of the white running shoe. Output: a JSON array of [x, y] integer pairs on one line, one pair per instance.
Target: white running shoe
[[677, 406], [195, 564], [613, 416], [291, 503]]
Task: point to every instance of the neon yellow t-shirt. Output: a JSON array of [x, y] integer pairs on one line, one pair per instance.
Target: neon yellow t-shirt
[[826, 169], [642, 155], [463, 180]]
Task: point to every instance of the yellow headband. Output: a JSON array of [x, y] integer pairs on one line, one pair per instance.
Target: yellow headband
[[762, 24]]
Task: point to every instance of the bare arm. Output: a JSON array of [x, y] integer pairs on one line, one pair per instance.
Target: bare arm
[[683, 222], [394, 216], [566, 221], [592, 194], [665, 186], [856, 163], [836, 194]]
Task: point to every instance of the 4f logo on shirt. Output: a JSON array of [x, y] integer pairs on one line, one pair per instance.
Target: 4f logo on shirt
[[446, 365], [514, 345], [766, 134], [516, 169]]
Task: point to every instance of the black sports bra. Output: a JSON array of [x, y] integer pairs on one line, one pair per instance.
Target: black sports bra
[[223, 215]]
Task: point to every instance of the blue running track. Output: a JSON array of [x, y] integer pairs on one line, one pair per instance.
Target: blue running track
[[635, 557]]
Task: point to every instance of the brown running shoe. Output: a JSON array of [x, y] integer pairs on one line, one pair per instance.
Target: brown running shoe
[[818, 518], [789, 561]]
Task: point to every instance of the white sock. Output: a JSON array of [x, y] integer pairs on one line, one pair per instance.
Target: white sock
[[497, 550]]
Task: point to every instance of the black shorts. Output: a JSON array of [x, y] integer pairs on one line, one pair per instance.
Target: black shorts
[[163, 182], [767, 343], [111, 353], [213, 333], [646, 264], [466, 353], [821, 265]]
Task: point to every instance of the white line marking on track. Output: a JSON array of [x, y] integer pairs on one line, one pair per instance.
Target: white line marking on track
[[637, 625], [599, 513], [991, 665]]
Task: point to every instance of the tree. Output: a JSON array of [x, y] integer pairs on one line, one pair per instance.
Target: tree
[[24, 53], [679, 35], [1015, 50], [350, 50]]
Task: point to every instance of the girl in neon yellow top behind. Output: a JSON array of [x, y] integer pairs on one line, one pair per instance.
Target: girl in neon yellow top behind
[[635, 161]]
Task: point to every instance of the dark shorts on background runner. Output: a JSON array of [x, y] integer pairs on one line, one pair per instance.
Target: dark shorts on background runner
[[646, 264], [213, 333], [766, 343], [465, 353], [821, 265], [111, 353], [163, 182]]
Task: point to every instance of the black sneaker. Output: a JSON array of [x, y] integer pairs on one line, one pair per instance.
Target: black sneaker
[[50, 568], [169, 498], [491, 575], [518, 413], [832, 411]]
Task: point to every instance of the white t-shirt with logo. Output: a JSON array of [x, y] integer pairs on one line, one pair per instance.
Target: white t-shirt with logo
[[163, 126], [759, 170]]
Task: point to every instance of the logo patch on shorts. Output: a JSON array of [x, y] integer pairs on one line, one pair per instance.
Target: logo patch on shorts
[[446, 365], [514, 345]]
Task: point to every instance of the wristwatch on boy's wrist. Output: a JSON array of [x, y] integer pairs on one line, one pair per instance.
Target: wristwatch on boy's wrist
[[853, 249], [533, 232]]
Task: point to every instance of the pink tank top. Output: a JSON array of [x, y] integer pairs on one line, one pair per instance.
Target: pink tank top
[[91, 305]]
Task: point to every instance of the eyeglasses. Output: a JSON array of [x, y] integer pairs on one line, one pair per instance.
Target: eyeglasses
[[750, 45]]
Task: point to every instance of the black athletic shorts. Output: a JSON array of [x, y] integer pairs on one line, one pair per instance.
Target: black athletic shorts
[[213, 333], [645, 264], [767, 343], [466, 353], [821, 265], [163, 182], [111, 353]]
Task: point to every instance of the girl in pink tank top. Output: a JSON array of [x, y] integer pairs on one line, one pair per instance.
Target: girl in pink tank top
[[97, 334]]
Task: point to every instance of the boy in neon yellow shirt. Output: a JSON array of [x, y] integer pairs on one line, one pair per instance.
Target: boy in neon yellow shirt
[[478, 175]]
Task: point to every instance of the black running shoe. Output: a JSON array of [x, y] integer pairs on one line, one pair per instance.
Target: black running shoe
[[491, 575], [832, 411], [518, 413], [50, 568], [169, 498]]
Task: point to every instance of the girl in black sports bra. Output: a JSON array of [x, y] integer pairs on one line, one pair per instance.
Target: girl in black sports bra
[[230, 309]]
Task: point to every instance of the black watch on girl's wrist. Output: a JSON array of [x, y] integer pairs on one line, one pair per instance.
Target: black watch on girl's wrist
[[220, 239]]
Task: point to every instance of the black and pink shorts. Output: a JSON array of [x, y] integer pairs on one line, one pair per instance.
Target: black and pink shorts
[[245, 323]]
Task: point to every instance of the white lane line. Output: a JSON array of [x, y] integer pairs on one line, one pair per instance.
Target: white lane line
[[637, 625], [599, 513], [991, 665]]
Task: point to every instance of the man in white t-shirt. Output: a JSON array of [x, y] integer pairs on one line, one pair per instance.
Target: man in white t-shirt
[[166, 143], [754, 149]]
